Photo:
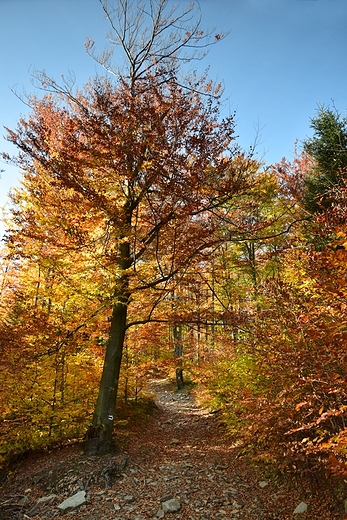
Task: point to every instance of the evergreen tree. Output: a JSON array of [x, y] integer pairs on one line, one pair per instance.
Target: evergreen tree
[[328, 149]]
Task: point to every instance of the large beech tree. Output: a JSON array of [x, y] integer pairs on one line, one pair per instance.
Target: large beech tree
[[151, 160]]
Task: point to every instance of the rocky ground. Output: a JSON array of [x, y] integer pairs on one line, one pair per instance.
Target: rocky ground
[[180, 465]]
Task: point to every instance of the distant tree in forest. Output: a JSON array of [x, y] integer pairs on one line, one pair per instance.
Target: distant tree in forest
[[328, 149]]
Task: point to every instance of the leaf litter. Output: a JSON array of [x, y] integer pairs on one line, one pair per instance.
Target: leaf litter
[[181, 465]]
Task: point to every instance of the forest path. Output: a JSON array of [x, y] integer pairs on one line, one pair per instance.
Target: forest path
[[180, 459]]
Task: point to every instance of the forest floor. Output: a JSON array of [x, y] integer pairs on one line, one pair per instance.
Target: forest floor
[[180, 459]]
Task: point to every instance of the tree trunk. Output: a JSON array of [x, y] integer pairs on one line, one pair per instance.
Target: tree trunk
[[99, 434], [178, 348]]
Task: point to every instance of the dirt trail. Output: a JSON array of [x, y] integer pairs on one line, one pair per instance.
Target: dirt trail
[[182, 453]]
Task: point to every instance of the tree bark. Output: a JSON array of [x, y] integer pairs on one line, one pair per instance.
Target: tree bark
[[178, 348], [99, 435]]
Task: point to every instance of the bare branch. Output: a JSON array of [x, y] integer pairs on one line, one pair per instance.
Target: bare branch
[[152, 37]]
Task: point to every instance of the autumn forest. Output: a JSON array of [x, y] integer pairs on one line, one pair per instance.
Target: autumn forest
[[143, 242]]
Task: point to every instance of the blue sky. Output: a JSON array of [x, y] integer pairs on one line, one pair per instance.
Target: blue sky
[[281, 58]]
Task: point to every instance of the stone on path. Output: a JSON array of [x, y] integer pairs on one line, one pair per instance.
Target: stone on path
[[263, 483], [46, 499], [171, 506], [71, 503], [301, 508]]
